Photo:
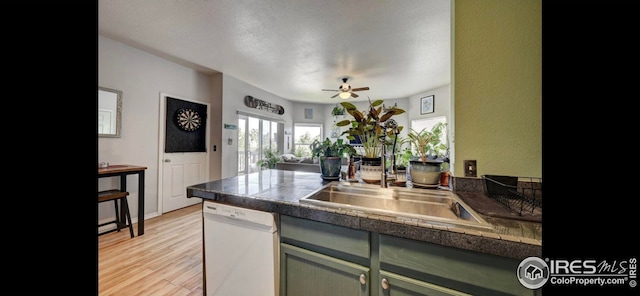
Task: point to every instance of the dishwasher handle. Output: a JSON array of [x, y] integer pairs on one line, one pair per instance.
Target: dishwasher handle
[[238, 214]]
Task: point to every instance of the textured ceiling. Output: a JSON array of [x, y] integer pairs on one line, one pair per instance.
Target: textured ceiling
[[295, 48]]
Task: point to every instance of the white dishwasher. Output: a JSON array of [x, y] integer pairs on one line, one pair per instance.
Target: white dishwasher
[[241, 251]]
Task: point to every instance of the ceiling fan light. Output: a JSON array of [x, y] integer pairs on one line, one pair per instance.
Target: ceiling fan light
[[344, 95]]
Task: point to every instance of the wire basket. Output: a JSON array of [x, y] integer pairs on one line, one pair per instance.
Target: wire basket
[[519, 194]]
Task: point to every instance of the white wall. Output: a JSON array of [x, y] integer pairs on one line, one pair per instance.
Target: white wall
[[319, 113], [141, 77], [441, 101]]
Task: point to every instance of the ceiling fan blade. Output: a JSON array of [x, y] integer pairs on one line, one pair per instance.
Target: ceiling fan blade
[[354, 95], [335, 95], [324, 89], [360, 88]]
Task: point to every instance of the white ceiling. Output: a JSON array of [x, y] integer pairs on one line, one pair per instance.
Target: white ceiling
[[295, 48]]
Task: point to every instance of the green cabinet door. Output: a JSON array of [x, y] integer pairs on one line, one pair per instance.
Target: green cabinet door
[[307, 273], [392, 284], [456, 269]]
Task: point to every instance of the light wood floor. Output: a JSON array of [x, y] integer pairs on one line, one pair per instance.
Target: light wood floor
[[166, 260]]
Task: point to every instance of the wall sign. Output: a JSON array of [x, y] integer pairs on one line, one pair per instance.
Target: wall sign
[[252, 102]]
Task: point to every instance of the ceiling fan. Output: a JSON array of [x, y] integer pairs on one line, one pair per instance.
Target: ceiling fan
[[345, 91]]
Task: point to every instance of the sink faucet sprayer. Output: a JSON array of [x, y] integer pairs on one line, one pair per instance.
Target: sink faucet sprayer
[[393, 125]]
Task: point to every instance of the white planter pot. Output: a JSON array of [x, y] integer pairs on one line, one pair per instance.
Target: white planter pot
[[371, 170], [425, 173]]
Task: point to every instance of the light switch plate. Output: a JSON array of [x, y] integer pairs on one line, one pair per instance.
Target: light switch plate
[[470, 168]]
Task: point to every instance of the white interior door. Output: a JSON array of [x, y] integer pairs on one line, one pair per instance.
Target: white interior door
[[180, 169]]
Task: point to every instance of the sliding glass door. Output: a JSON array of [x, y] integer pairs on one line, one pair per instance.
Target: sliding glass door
[[256, 136]]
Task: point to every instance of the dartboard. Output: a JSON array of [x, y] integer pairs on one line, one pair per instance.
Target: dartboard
[[188, 119]]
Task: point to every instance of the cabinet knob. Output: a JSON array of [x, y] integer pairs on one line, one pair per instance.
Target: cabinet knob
[[385, 284], [167, 160], [363, 279]]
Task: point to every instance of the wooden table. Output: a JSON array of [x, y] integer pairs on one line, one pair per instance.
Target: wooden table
[[123, 170]]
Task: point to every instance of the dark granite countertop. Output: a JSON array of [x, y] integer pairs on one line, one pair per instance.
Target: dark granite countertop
[[279, 191]]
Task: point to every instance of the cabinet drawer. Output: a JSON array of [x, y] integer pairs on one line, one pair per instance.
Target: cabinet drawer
[[458, 269], [334, 240]]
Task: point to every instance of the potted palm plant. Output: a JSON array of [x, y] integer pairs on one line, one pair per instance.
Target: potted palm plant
[[368, 127], [426, 169], [330, 156]]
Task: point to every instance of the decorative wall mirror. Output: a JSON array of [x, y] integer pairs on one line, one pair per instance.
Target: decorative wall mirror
[[109, 112]]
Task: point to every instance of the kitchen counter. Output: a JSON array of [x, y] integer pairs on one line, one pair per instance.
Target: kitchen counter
[[279, 191]]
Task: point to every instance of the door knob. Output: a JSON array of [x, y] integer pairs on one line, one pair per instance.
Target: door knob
[[363, 279], [385, 284]]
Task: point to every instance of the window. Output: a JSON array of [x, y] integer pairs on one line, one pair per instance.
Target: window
[[304, 134], [255, 135], [428, 123]]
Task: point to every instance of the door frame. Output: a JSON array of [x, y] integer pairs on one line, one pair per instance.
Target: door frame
[[161, 138]]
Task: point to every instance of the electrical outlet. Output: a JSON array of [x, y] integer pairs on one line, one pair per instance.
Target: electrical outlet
[[470, 168]]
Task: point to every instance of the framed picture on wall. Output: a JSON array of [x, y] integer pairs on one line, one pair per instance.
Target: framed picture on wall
[[426, 104]]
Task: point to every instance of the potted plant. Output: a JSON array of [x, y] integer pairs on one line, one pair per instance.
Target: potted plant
[[426, 169], [402, 158], [271, 157], [337, 110], [368, 127], [330, 156], [445, 174]]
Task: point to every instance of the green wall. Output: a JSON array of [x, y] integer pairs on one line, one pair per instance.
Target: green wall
[[498, 86]]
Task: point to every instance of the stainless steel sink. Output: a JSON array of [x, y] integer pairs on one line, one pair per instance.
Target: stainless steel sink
[[431, 206]]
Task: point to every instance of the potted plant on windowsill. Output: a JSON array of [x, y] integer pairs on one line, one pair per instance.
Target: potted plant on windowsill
[[426, 169], [330, 156], [271, 157], [368, 127]]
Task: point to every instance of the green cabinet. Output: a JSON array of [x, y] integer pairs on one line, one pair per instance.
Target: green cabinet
[[308, 273], [324, 259], [392, 284], [454, 270]]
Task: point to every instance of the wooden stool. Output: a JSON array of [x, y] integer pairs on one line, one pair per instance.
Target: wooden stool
[[115, 195]]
